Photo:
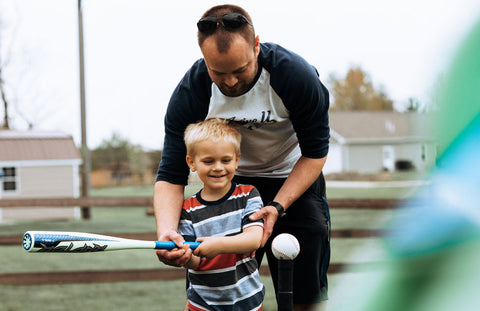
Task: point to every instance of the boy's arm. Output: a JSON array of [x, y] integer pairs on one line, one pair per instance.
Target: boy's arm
[[243, 243], [167, 204]]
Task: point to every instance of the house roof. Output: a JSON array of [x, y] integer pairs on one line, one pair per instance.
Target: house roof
[[363, 126], [32, 145]]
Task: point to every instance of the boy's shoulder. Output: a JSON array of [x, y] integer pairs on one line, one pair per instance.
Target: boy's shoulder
[[191, 203], [242, 189]]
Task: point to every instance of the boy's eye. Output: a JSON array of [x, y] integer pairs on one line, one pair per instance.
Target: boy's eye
[[226, 160]]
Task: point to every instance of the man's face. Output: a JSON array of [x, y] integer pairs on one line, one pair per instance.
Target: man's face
[[235, 70]]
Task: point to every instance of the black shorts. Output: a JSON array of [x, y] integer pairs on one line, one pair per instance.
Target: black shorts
[[308, 219]]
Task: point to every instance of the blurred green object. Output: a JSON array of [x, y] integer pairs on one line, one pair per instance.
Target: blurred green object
[[434, 249], [459, 96]]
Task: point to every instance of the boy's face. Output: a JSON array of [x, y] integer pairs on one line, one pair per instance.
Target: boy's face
[[215, 164]]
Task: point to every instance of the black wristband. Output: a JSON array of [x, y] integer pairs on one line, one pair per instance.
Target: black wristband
[[279, 207]]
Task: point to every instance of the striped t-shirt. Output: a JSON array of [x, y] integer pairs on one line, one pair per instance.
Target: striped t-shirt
[[228, 281]]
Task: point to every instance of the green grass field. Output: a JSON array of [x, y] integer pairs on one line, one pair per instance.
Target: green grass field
[[151, 295]]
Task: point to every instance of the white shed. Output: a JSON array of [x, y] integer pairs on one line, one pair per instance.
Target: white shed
[[38, 165]]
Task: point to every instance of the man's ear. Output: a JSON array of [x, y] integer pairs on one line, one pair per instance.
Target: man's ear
[[190, 163], [257, 46]]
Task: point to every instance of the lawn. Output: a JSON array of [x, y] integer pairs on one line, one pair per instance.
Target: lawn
[[122, 296], [151, 295]]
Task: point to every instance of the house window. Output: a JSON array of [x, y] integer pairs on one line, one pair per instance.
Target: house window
[[9, 179]]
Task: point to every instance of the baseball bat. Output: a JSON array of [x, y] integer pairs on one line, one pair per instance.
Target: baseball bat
[[82, 242]]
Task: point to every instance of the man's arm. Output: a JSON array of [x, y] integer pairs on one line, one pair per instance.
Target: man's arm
[[303, 175], [167, 205]]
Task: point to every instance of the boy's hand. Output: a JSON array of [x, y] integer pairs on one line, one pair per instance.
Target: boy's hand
[[177, 257], [209, 248]]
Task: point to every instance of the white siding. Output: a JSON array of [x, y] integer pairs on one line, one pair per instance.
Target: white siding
[[334, 159], [365, 158], [422, 156], [47, 181], [20, 213], [368, 158], [44, 181]]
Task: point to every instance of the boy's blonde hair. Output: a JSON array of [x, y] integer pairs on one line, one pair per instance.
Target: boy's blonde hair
[[216, 130]]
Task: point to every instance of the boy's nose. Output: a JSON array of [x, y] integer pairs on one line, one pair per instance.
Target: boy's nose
[[217, 166]]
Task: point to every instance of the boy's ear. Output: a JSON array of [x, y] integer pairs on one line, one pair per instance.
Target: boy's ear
[[190, 163], [237, 160]]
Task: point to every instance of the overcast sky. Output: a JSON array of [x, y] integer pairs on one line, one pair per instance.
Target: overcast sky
[[138, 50]]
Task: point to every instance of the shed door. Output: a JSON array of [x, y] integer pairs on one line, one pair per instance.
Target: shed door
[[388, 156]]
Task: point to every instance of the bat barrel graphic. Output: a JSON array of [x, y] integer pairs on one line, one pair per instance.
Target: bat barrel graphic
[[80, 242]]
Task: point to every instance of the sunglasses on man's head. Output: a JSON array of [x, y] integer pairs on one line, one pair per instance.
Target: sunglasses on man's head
[[230, 21]]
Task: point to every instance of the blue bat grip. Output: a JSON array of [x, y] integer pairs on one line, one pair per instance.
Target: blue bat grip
[[169, 245]]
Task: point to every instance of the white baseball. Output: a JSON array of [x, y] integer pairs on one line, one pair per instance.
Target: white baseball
[[285, 246]]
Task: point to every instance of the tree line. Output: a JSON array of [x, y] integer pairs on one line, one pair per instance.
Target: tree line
[[118, 155]]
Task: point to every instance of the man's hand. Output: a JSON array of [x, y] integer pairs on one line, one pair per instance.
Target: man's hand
[[177, 257], [269, 215]]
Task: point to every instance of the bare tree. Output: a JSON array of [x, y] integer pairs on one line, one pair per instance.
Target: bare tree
[[20, 97], [5, 124], [4, 59], [413, 105]]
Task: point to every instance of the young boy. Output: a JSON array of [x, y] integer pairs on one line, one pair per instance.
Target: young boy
[[221, 276]]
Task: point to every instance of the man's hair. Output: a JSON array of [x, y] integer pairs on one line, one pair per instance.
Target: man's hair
[[224, 37], [216, 130]]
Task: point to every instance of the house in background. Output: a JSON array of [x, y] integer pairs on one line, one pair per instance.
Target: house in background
[[38, 165], [371, 142]]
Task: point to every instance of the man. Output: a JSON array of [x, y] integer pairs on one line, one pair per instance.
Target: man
[[282, 107]]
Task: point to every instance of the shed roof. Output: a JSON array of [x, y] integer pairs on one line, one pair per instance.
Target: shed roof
[[36, 146], [377, 125]]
